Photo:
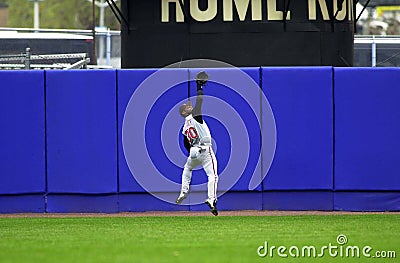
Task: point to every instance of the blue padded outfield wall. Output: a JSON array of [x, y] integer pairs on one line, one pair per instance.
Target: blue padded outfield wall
[[286, 138], [81, 141], [22, 141], [367, 129], [301, 99]]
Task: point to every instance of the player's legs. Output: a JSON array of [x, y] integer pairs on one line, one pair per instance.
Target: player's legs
[[186, 178], [210, 167]]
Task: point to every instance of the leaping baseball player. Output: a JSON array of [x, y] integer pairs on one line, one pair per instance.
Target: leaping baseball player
[[197, 140]]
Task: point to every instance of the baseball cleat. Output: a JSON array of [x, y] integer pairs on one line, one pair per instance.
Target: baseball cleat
[[181, 197], [213, 206]]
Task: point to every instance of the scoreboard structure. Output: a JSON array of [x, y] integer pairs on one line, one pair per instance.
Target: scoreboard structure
[[240, 32]]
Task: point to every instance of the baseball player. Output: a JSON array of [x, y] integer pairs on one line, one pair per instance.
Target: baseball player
[[197, 140]]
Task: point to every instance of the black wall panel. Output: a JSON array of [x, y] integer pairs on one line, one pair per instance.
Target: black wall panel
[[160, 32]]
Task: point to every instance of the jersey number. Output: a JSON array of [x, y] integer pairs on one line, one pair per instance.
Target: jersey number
[[192, 134]]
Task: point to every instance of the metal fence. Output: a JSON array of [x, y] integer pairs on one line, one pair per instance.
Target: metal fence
[[377, 51], [108, 48], [107, 44], [29, 61]]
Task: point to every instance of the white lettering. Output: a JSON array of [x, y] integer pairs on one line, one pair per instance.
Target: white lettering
[[242, 7], [296, 250], [322, 251], [265, 248], [311, 251], [312, 9], [341, 14], [165, 11], [350, 10], [271, 251], [331, 252], [206, 15], [366, 251], [274, 14], [281, 252], [355, 251]]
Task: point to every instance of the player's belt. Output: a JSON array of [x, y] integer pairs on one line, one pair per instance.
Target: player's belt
[[202, 146]]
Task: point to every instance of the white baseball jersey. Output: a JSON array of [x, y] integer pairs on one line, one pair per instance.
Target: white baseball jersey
[[197, 133], [201, 153]]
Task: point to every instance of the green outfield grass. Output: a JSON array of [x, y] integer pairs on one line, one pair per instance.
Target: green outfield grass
[[192, 239]]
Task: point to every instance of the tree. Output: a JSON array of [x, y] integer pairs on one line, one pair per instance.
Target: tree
[[54, 14]]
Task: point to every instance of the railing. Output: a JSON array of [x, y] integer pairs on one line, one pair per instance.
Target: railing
[[377, 51], [26, 61], [108, 42]]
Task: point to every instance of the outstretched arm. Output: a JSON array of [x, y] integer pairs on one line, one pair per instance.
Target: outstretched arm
[[197, 113]]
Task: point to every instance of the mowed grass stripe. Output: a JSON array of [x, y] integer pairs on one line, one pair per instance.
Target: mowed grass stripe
[[188, 239]]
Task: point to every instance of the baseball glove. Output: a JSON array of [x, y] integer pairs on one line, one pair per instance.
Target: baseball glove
[[202, 78]]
